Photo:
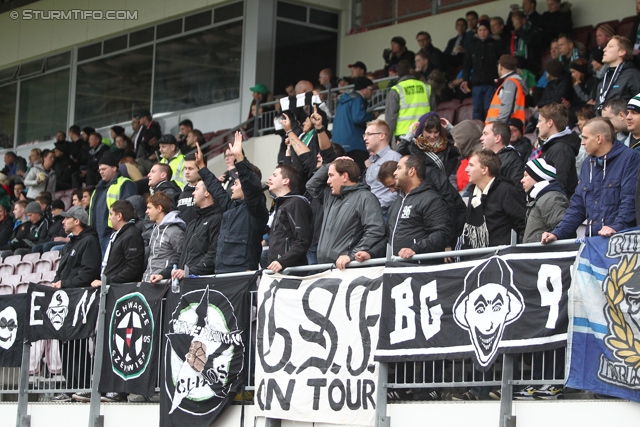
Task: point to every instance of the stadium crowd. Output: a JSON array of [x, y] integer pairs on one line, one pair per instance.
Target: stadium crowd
[[142, 210]]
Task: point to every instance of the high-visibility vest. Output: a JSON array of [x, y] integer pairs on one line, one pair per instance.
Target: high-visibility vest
[[517, 111], [113, 195], [414, 103], [177, 166]]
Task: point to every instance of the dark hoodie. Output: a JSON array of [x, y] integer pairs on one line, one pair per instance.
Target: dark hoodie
[[80, 261], [561, 150]]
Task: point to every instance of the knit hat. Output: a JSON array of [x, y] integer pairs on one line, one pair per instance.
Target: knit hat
[[540, 170], [358, 64], [33, 207], [554, 68], [168, 139], [581, 68], [109, 159], [58, 204], [634, 104], [400, 40], [516, 123], [484, 23], [361, 83]]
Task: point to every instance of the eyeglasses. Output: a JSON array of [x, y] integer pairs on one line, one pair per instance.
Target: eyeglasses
[[366, 134]]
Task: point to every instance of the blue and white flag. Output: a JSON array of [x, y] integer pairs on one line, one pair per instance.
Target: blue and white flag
[[604, 312]]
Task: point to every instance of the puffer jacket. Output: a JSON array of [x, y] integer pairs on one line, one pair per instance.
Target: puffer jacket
[[512, 168], [561, 150], [31, 181], [80, 260], [544, 211], [420, 221], [291, 231], [167, 239], [352, 220], [605, 195], [243, 221]]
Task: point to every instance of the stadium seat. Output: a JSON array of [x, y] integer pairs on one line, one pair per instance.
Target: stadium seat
[[51, 255], [30, 278], [32, 258], [448, 113], [23, 268], [6, 289], [625, 27], [454, 103], [585, 35], [47, 277], [465, 112], [467, 101], [613, 24], [6, 269], [13, 260], [43, 265], [12, 281]]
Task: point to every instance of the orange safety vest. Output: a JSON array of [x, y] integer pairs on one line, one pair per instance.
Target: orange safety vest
[[517, 111]]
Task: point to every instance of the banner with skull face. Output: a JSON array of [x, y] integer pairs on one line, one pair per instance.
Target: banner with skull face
[[13, 315], [604, 329], [61, 314], [206, 337], [511, 303], [132, 338]]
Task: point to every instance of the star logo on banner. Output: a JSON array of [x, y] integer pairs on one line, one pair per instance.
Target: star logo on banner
[[131, 329]]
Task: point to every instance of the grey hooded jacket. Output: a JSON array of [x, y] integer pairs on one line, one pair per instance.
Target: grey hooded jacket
[[352, 221], [165, 244]]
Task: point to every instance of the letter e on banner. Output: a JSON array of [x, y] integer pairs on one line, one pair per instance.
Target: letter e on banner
[[34, 308]]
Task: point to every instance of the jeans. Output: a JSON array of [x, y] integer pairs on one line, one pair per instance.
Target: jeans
[[482, 95]]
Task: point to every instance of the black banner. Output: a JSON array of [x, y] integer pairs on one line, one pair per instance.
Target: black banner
[[13, 316], [505, 304], [206, 335], [62, 314], [132, 338]]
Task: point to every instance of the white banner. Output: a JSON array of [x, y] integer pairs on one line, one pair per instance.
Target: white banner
[[315, 343]]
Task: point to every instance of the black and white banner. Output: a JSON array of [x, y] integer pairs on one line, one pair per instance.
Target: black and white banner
[[206, 335], [512, 303], [13, 316], [62, 314], [131, 338], [315, 343]]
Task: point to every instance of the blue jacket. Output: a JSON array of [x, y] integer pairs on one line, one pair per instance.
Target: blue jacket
[[351, 121], [605, 194]]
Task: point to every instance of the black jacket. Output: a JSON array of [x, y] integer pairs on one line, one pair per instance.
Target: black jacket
[[556, 90], [56, 229], [199, 250], [170, 188], [146, 146], [481, 57], [243, 221], [626, 86], [524, 147], [561, 151], [420, 221], [291, 231], [80, 261], [457, 209], [504, 210], [126, 256], [512, 168], [6, 230]]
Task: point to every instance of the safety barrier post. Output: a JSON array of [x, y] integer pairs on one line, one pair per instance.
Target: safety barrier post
[[507, 419], [95, 419], [23, 419], [382, 420]]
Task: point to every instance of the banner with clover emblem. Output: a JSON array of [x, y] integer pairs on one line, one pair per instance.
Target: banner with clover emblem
[[604, 329], [206, 338], [132, 338]]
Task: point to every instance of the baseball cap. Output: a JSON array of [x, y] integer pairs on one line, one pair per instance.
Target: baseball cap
[[76, 212], [260, 88], [167, 139], [358, 64]]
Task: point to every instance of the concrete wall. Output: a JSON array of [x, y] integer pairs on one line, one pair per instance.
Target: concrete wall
[[368, 46]]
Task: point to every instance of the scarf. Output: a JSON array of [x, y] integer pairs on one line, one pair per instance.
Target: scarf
[[475, 233]]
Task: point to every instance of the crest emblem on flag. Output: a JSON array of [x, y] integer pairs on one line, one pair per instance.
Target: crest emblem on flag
[[131, 331]]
